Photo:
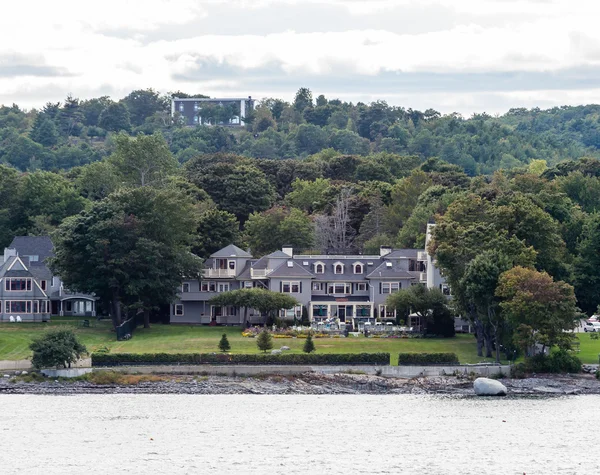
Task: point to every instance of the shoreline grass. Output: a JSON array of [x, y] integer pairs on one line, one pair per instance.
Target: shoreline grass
[[15, 340]]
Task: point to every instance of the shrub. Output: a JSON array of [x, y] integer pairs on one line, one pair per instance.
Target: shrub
[[56, 348], [264, 341], [309, 345], [419, 359], [125, 359], [560, 361], [224, 344]]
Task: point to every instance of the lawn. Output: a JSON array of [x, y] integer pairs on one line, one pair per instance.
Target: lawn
[[15, 339]]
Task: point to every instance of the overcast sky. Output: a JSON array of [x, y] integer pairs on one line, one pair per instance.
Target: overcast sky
[[452, 55]]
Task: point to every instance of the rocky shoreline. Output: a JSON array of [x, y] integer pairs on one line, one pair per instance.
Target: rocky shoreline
[[308, 383]]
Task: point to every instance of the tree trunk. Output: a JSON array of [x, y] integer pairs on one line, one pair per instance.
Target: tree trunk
[[488, 343], [479, 334], [116, 310], [146, 318]]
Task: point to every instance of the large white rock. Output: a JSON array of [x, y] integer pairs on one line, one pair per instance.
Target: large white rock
[[275, 352], [489, 387]]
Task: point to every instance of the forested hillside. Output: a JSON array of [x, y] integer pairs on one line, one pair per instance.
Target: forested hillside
[[73, 133], [325, 176]]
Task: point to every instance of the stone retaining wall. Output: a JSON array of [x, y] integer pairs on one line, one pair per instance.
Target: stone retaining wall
[[248, 370]]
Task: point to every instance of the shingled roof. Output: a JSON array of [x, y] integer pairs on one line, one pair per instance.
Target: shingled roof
[[230, 251], [40, 246]]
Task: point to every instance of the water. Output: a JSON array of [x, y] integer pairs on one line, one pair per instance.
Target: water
[[224, 434]]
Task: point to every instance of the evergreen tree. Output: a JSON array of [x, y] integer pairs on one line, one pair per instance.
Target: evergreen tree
[[264, 341], [309, 345], [224, 344]]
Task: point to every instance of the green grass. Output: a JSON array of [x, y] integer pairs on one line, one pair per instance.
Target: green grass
[[15, 339]]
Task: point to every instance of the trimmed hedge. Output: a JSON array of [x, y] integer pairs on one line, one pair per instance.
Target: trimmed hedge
[[423, 359], [133, 359]]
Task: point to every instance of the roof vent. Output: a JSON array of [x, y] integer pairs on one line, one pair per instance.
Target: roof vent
[[305, 263]]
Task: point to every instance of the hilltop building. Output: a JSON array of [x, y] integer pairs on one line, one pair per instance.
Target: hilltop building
[[231, 111]]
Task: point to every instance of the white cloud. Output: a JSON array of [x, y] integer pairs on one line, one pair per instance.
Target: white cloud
[[81, 38]]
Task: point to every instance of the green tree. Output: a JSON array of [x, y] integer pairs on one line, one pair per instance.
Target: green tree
[[541, 308], [97, 180], [403, 199], [131, 249], [428, 304], [274, 228], [224, 344], [309, 345], [44, 131], [264, 341], [143, 160], [240, 190], [587, 265], [216, 229], [115, 118], [56, 348], [303, 99], [144, 103], [45, 197], [309, 195]]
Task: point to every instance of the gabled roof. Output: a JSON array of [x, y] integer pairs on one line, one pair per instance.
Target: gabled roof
[[296, 270], [40, 246], [278, 255], [231, 251], [393, 271]]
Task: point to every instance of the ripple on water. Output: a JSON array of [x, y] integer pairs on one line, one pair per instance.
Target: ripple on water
[[241, 434]]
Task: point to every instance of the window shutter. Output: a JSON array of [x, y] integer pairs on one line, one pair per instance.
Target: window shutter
[[300, 286], [380, 287], [281, 286]]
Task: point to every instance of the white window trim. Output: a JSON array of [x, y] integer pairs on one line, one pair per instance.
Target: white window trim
[[319, 263], [10, 279], [8, 302], [364, 284], [362, 267], [335, 265], [183, 286], [347, 287], [224, 284], [389, 285], [291, 283], [175, 310]]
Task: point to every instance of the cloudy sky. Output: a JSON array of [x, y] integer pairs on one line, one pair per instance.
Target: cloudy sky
[[453, 55]]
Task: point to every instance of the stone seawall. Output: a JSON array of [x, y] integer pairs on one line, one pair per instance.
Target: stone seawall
[[291, 370]]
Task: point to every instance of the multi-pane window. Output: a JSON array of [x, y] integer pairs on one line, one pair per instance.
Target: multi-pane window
[[223, 287], [18, 306], [43, 284], [358, 268], [290, 287], [179, 309], [339, 288], [361, 287], [338, 269], [390, 287], [181, 107], [185, 287], [317, 286], [18, 284], [319, 268], [387, 312]]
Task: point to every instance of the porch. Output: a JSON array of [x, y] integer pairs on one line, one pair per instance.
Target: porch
[[74, 306]]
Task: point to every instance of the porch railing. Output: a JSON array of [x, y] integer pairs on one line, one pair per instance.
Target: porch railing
[[218, 273]]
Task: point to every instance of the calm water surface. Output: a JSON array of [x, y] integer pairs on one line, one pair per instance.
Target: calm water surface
[[180, 434]]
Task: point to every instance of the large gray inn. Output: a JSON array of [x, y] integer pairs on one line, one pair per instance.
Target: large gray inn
[[350, 289]]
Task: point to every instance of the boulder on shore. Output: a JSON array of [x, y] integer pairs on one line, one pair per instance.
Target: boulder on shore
[[489, 387], [275, 352]]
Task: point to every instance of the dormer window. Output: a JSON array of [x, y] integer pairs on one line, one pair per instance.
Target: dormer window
[[358, 268], [319, 268], [338, 268]]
